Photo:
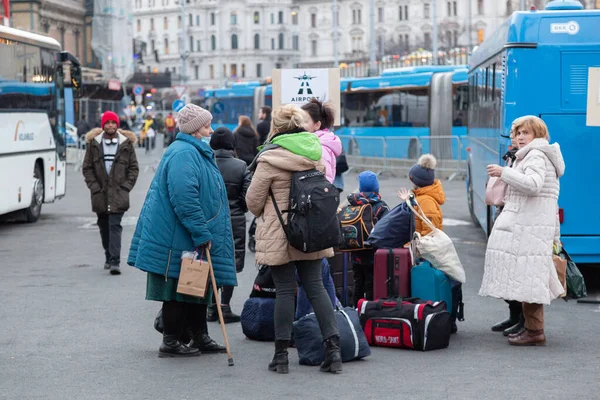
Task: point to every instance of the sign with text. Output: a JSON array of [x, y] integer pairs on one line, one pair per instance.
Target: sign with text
[[299, 86]]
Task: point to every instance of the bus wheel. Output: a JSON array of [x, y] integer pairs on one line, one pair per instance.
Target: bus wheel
[[35, 209]]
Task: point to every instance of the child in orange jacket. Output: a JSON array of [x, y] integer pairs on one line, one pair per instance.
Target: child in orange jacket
[[428, 193]]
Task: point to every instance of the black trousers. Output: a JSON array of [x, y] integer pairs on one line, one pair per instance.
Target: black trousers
[[111, 232], [178, 316], [363, 281]]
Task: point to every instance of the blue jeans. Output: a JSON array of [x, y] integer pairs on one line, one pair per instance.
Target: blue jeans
[[303, 306]]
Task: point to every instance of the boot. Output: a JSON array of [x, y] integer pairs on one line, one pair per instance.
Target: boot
[[212, 315], [172, 347], [511, 321], [280, 361], [333, 355], [228, 315], [115, 269], [205, 344], [529, 338], [515, 329]]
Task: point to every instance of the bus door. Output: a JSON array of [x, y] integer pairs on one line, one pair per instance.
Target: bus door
[[580, 146]]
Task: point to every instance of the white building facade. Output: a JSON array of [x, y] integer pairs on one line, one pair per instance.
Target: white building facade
[[242, 40]]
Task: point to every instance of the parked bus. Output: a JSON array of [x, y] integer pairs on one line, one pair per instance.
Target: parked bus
[[34, 75], [537, 63]]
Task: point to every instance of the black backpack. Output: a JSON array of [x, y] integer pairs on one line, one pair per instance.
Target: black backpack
[[312, 223]]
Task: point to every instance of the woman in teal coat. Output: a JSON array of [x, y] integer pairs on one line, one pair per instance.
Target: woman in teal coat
[[186, 208]]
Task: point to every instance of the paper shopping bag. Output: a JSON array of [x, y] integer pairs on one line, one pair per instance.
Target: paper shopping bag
[[560, 263], [193, 278]]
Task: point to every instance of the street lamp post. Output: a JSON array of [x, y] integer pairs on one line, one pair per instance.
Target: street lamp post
[[336, 62], [434, 32], [372, 66], [182, 52]]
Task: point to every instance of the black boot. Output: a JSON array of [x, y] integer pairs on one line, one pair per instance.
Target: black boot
[[515, 314], [228, 315], [212, 315], [516, 328], [333, 355], [280, 361], [172, 347], [205, 344]]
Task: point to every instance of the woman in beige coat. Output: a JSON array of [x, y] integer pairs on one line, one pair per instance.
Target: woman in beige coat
[[518, 260], [297, 150]]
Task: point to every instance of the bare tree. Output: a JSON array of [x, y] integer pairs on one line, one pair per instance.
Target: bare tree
[[449, 34]]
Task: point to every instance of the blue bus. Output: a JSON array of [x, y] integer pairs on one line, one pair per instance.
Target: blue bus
[[537, 63]]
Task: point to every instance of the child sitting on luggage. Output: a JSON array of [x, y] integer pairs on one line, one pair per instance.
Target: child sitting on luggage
[[429, 195], [362, 260]]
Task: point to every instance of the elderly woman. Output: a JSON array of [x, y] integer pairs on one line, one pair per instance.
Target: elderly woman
[[186, 208], [518, 261]]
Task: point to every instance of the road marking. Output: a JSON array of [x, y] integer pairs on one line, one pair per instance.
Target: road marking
[[455, 222]]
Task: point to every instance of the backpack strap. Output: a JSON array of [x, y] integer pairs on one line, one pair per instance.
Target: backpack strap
[[283, 225]]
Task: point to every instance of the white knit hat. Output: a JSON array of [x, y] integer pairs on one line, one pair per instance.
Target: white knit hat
[[192, 117]]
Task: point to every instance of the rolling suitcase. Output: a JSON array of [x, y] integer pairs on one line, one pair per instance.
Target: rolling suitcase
[[391, 273], [343, 278], [428, 283]]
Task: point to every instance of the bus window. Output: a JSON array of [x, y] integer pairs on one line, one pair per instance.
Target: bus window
[[460, 105], [493, 81], [487, 84]]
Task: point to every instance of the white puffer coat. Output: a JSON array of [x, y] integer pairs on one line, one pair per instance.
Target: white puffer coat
[[518, 260]]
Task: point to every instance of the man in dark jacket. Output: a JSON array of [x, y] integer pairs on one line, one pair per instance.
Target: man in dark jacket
[[237, 180], [264, 126], [110, 169]]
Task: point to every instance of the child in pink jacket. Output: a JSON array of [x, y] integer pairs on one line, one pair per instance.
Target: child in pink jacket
[[321, 119]]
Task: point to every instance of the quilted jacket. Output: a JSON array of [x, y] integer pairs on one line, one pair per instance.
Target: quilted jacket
[[332, 147], [430, 198], [518, 260], [186, 206], [298, 152]]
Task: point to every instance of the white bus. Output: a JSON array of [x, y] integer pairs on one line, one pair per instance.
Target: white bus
[[34, 75]]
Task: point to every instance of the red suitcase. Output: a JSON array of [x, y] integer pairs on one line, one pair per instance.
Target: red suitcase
[[391, 273]]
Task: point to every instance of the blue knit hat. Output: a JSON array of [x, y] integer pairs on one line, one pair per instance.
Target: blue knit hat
[[423, 172], [368, 182]]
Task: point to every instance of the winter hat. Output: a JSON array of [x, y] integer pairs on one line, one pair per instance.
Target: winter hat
[[192, 117], [110, 116], [423, 172], [368, 182], [222, 138]]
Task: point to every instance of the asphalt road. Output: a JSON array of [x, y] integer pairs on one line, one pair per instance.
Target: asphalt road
[[69, 330]]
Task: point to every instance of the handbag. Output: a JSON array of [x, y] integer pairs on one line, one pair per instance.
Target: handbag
[[576, 288], [193, 277], [437, 248], [560, 263], [341, 164], [495, 192]]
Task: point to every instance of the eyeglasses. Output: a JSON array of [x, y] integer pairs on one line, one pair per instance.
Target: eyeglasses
[[112, 141]]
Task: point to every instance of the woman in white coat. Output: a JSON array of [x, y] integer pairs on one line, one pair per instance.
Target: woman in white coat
[[518, 260]]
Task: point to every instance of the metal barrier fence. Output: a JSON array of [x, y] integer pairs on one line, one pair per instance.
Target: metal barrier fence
[[400, 153]]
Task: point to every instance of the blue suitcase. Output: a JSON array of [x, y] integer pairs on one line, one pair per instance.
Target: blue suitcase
[[428, 283]]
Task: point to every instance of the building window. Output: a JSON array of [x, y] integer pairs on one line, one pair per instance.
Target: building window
[[152, 24], [213, 42], [197, 20], [256, 17], [294, 17], [272, 19], [166, 23], [256, 41], [76, 33], [455, 8], [356, 17], [191, 44], [313, 20], [190, 19], [281, 41], [296, 42], [426, 8], [313, 46], [153, 45], [233, 18], [258, 70], [139, 26], [455, 38], [452, 8], [280, 17], [198, 48], [406, 42], [212, 19], [166, 46], [224, 69], [234, 41], [233, 70], [211, 71], [480, 36], [243, 70], [480, 7], [380, 14], [197, 72], [427, 40], [179, 22], [272, 44]]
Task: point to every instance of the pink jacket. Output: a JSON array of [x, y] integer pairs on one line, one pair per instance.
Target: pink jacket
[[332, 147]]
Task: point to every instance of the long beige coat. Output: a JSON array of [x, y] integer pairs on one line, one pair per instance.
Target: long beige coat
[[274, 171], [518, 260]]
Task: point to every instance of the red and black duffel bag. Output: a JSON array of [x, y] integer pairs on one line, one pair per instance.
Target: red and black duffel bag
[[406, 323]]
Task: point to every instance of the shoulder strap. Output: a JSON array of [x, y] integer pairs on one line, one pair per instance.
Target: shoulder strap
[[278, 213]]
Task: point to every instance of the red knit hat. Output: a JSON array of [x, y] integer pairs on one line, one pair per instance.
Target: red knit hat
[[110, 116]]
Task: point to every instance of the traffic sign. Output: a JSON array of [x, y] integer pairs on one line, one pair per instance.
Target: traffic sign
[[140, 110], [218, 107], [114, 84], [138, 90], [178, 105], [179, 90]]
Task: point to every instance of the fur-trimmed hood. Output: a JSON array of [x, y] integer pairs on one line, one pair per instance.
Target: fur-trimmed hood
[[122, 134]]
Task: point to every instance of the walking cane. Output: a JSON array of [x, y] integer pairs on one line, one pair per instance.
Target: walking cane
[[215, 290]]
